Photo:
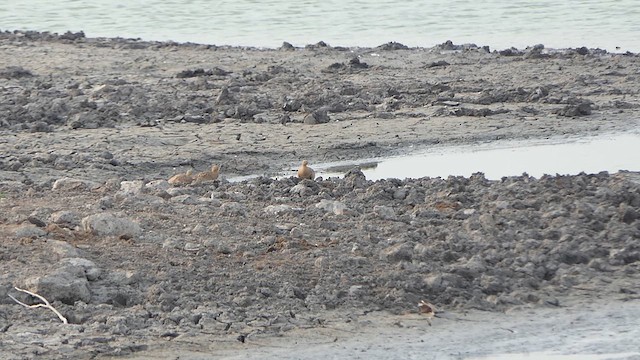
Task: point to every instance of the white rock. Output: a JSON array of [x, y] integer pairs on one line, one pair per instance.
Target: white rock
[[68, 184], [131, 188], [107, 224], [333, 206], [281, 209]]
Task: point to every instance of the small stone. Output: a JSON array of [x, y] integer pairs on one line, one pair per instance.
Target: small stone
[[310, 119], [287, 46], [36, 221]]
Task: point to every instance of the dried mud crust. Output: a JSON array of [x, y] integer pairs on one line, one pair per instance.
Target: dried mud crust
[[262, 257], [93, 128], [127, 108]]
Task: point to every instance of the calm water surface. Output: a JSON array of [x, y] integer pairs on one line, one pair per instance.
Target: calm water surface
[[498, 23], [507, 158]]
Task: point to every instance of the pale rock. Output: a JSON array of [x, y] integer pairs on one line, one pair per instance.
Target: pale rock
[[333, 206], [62, 249], [281, 209], [190, 246], [106, 224], [69, 184], [131, 188]]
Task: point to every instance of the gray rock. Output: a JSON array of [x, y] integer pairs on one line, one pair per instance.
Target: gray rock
[[68, 285], [398, 252], [62, 249], [299, 189], [91, 271], [199, 229], [236, 196], [158, 185], [385, 212], [65, 217], [106, 224], [72, 184], [29, 231], [233, 208], [176, 191], [184, 199]]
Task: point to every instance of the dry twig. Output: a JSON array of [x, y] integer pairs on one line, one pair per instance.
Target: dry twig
[[45, 305]]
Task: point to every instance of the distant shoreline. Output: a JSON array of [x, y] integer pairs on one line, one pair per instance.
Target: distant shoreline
[[81, 36]]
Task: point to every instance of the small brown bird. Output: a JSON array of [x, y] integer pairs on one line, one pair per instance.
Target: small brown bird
[[182, 179], [209, 175], [427, 309], [305, 172]]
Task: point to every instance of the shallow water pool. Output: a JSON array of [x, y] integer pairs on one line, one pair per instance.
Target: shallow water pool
[[612, 152]]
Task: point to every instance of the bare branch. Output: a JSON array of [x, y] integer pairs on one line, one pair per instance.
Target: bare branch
[[45, 305]]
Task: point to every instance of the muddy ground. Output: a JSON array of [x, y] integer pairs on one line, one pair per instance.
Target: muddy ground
[[91, 129]]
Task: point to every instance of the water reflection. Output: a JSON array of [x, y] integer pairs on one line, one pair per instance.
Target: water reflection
[[506, 158]]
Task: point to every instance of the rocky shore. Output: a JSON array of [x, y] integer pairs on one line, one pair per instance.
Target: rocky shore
[[92, 129]]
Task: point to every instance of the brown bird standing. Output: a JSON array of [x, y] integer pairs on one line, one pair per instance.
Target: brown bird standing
[[305, 172]]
